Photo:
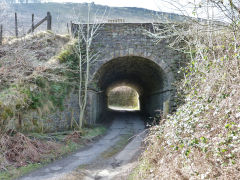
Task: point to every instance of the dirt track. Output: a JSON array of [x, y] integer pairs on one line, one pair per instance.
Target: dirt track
[[98, 165]]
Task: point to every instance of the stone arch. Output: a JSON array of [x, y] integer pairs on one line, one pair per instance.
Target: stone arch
[[150, 76]]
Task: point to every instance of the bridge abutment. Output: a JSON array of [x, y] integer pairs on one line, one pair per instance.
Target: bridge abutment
[[127, 55]]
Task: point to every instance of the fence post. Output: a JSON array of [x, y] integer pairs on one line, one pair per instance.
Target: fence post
[[67, 28], [49, 21], [1, 34], [32, 23], [16, 25], [71, 28]]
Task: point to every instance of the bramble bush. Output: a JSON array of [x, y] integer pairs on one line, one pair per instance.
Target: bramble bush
[[201, 140]]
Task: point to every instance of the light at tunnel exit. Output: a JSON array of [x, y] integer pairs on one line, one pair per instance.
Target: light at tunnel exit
[[123, 98]]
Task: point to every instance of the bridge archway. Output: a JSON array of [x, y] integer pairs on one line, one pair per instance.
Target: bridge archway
[[144, 75]]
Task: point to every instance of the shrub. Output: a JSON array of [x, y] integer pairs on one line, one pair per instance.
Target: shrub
[[201, 139]]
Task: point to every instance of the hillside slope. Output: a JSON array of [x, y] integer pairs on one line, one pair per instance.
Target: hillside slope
[[64, 13], [35, 81], [20, 58], [201, 140]]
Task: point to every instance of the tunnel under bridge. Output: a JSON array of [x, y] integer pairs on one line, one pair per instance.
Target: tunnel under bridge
[[128, 56]]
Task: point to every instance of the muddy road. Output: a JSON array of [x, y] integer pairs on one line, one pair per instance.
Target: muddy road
[[111, 157]]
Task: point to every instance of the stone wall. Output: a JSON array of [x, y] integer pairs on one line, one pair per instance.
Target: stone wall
[[123, 40], [126, 55], [57, 121]]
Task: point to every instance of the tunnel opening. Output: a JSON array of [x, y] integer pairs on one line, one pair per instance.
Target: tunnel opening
[[143, 75], [123, 98]]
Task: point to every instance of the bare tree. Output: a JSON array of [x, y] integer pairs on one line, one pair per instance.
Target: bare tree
[[86, 34]]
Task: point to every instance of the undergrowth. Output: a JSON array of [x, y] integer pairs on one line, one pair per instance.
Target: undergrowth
[[23, 153], [44, 89], [36, 79], [201, 140]]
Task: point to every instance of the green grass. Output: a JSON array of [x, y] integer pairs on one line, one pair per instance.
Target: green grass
[[141, 168], [15, 173], [58, 136], [94, 132], [120, 144], [70, 147]]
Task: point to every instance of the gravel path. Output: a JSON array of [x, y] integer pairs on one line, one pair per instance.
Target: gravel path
[[123, 124]]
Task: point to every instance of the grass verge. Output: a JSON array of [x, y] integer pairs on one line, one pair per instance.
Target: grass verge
[[65, 147], [120, 144]]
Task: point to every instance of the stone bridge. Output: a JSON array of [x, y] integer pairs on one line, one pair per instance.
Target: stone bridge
[[127, 56]]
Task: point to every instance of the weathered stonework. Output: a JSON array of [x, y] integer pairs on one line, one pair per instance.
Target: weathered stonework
[[57, 121], [127, 56], [152, 67]]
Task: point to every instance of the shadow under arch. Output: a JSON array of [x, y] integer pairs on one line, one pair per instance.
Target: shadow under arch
[[143, 75]]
